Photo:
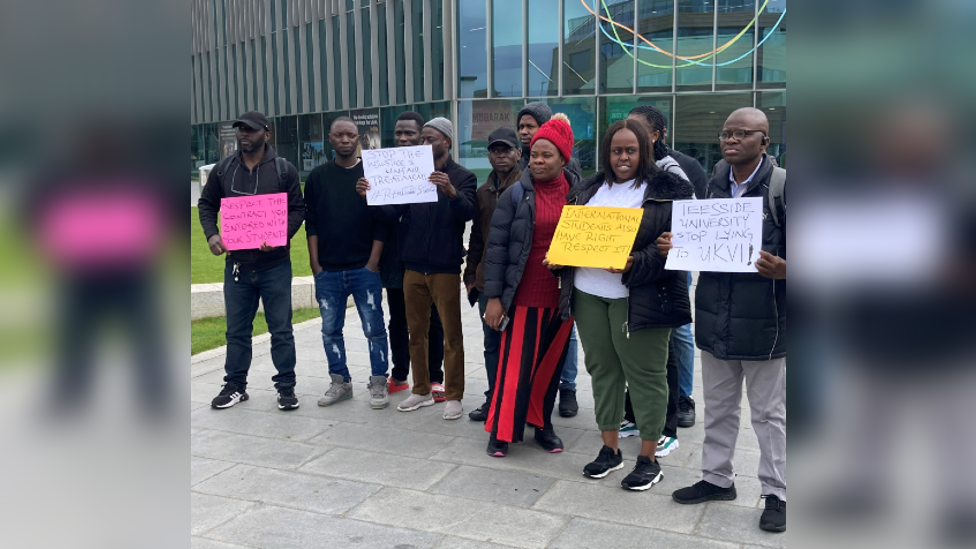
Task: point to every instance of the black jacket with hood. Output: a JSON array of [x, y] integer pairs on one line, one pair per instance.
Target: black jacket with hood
[[742, 316], [658, 297], [510, 242], [235, 181]]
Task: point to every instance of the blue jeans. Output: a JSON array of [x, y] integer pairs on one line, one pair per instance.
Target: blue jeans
[[273, 287], [684, 347], [568, 379], [493, 343], [332, 290]]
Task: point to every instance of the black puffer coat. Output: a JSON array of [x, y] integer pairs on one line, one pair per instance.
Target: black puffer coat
[[658, 298], [742, 316], [510, 241]]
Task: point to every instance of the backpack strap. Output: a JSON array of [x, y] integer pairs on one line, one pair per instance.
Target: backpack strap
[[282, 170], [777, 196], [221, 167], [517, 192]]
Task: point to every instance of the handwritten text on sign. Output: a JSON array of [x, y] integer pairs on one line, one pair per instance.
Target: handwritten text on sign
[[400, 175], [592, 236], [721, 235], [248, 221]]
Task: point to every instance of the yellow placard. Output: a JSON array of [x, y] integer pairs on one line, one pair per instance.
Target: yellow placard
[[595, 236]]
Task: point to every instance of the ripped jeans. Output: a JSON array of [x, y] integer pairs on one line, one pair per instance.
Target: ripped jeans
[[332, 290]]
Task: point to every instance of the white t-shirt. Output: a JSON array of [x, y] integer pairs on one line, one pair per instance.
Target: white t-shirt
[[599, 282]]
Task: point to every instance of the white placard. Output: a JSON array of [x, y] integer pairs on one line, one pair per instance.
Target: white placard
[[399, 175], [720, 235]]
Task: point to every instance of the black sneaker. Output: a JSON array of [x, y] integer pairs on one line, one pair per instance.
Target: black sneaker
[[481, 413], [287, 399], [568, 407], [774, 517], [548, 440], [497, 448], [230, 395], [604, 463], [703, 491], [686, 412], [646, 473]]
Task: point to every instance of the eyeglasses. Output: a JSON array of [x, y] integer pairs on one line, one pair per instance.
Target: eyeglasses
[[739, 135]]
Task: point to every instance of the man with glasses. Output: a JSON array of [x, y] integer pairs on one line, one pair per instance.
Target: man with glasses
[[258, 274], [504, 156], [740, 326]]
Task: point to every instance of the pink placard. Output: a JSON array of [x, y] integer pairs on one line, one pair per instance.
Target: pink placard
[[247, 221]]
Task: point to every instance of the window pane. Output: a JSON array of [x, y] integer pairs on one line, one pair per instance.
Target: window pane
[[582, 118], [774, 105], [543, 48], [311, 138], [697, 121], [381, 59], [367, 68], [351, 58], [400, 46], [579, 60], [437, 48], [472, 39], [273, 80], [477, 119], [613, 109], [297, 36], [287, 138], [772, 54], [733, 65], [310, 68], [696, 22], [656, 24], [418, 49], [617, 47], [324, 53], [286, 74], [506, 48], [336, 47]]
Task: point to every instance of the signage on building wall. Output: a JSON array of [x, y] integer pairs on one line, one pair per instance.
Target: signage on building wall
[[488, 116], [228, 139], [368, 123]]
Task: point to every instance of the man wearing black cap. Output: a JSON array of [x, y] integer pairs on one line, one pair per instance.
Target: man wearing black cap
[[504, 155], [251, 275]]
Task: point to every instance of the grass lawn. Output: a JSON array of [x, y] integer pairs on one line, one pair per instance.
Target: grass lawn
[[208, 333], [205, 267]]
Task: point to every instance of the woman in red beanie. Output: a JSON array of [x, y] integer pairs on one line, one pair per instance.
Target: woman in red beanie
[[524, 297]]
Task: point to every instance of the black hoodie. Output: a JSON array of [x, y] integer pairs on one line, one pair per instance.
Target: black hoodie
[[264, 180]]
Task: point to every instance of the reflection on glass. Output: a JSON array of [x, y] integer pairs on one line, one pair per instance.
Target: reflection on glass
[[697, 121], [613, 109], [367, 68], [437, 48], [655, 22], [543, 48], [506, 48], [696, 21], [579, 58], [733, 65], [581, 112], [772, 54], [476, 120], [311, 140], [287, 140], [472, 49], [617, 47], [418, 50], [774, 105]]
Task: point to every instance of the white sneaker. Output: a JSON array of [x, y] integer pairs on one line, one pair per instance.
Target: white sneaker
[[415, 402], [665, 445], [452, 410]]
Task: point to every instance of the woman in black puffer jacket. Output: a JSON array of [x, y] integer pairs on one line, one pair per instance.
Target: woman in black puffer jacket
[[625, 316]]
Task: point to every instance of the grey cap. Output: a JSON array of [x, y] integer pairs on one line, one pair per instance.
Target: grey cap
[[540, 111], [442, 125]]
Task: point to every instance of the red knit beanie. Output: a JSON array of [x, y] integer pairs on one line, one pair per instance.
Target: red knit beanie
[[558, 131]]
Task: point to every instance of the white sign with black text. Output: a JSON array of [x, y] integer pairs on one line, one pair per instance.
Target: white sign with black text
[[399, 175], [718, 235]]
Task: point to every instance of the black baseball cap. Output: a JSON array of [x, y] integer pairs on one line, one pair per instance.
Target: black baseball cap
[[503, 135], [253, 120]]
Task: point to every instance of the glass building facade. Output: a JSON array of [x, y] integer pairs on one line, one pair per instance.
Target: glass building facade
[[477, 62]]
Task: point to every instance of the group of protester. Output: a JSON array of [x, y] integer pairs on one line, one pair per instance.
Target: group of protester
[[634, 322]]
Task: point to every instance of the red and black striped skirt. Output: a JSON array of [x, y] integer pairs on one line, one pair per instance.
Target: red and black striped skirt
[[530, 363]]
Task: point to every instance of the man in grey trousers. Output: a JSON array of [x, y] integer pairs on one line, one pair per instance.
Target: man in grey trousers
[[740, 321]]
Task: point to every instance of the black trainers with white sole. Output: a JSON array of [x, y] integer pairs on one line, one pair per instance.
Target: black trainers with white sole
[[230, 395], [646, 473], [604, 463], [287, 399]]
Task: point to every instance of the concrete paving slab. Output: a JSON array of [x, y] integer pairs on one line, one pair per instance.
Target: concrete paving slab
[[732, 523], [252, 450], [208, 512], [266, 423], [586, 534], [505, 487], [377, 468], [383, 439], [202, 468]]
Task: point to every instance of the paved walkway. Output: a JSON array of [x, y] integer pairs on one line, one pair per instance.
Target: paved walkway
[[349, 476]]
